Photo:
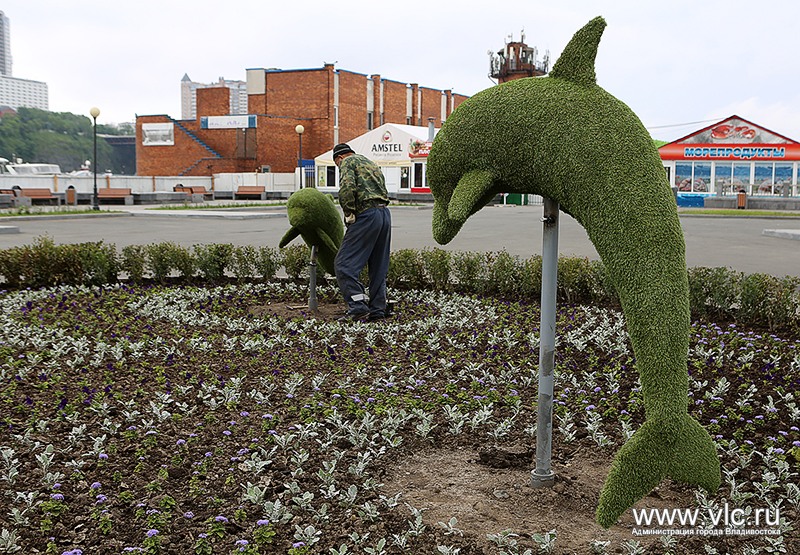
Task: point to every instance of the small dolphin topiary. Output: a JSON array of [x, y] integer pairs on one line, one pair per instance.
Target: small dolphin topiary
[[313, 215], [565, 138]]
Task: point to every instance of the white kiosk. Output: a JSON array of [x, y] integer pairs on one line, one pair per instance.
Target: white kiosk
[[400, 150]]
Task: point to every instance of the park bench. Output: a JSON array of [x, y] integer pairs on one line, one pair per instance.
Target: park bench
[[115, 194], [194, 190], [38, 194], [251, 191]]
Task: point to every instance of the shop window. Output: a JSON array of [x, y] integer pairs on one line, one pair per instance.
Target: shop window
[[702, 177], [723, 177], [683, 176], [330, 176], [418, 178], [404, 178], [741, 177], [783, 177], [763, 178]]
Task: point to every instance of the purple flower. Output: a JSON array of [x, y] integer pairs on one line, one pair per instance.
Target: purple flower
[[242, 542], [56, 497], [73, 552], [221, 519], [102, 457], [152, 532], [180, 442], [262, 522], [298, 544], [96, 485], [188, 514], [226, 432]]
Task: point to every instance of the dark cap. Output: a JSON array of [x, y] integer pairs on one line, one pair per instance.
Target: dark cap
[[340, 149]]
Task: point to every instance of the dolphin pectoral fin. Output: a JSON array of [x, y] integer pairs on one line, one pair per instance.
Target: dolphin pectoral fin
[[473, 191], [289, 236], [326, 240], [685, 453]]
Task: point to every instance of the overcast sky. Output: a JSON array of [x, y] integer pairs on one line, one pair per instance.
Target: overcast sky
[[680, 65]]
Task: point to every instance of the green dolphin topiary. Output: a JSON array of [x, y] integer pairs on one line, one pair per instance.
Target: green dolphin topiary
[[314, 216], [566, 138]]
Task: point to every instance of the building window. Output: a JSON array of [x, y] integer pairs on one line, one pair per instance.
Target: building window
[[404, 178], [336, 116], [370, 121], [408, 120], [741, 176], [330, 175]]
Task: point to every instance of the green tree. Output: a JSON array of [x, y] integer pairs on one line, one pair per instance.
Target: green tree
[[58, 138]]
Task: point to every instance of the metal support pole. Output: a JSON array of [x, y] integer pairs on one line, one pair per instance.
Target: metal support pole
[[312, 270], [543, 476]]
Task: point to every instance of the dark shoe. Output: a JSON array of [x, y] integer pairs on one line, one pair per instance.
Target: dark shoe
[[376, 317], [357, 317]]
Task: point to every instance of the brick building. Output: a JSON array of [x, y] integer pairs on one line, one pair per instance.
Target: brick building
[[332, 105]]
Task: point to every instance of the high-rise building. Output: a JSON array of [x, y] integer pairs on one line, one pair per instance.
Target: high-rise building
[[189, 95], [15, 92], [5, 46]]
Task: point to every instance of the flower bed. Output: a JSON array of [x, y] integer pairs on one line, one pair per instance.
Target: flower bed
[[153, 419]]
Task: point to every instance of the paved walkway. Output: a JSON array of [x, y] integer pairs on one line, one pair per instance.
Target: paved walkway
[[747, 244]]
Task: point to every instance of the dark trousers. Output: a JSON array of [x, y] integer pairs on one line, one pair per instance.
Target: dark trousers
[[366, 243]]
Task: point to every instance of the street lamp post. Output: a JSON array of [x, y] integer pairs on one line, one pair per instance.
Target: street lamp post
[[299, 129], [94, 112]]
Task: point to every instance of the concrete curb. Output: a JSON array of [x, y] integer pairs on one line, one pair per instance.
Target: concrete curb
[[783, 233], [62, 217], [208, 214], [9, 229]]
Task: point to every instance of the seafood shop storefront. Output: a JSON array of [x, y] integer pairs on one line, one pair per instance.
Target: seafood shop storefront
[[400, 150], [733, 156]]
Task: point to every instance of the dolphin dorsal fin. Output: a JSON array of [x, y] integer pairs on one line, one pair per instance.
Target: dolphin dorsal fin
[[576, 62]]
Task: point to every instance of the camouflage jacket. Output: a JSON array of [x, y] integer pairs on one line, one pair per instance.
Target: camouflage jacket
[[360, 181]]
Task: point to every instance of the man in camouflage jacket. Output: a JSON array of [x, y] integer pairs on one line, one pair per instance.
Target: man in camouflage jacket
[[363, 198]]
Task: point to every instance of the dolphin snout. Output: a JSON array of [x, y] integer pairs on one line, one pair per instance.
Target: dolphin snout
[[444, 229]]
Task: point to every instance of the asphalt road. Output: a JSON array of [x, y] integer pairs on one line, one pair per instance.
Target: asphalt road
[[734, 242]]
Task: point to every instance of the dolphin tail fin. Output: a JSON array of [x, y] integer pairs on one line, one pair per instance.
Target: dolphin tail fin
[[684, 452], [289, 236], [576, 62]]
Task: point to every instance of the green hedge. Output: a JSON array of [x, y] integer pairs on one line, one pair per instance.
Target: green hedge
[[716, 294]]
